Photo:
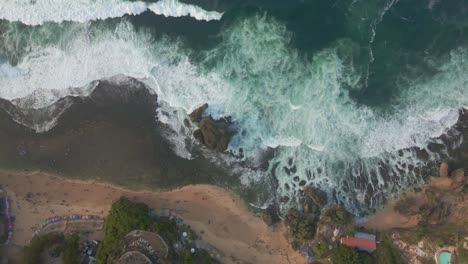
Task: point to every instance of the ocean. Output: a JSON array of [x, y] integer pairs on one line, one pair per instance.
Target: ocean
[[356, 97]]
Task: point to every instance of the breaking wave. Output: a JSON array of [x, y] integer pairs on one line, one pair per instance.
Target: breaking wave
[[276, 98], [38, 12]]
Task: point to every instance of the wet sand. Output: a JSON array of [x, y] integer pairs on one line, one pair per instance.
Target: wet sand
[[218, 216]]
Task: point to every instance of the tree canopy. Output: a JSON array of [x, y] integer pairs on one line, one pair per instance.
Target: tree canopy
[[123, 217], [348, 255]]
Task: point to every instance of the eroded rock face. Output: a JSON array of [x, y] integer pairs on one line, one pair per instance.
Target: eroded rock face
[[196, 115], [443, 170], [458, 176], [214, 134]]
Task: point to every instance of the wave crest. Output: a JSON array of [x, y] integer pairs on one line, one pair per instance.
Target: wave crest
[[41, 11]]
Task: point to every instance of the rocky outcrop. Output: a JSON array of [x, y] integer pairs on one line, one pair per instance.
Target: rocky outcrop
[[443, 170], [318, 196], [212, 133], [458, 176], [196, 115]]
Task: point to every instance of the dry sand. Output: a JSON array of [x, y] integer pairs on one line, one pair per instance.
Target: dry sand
[[215, 214]]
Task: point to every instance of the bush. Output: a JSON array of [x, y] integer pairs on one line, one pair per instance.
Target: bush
[[336, 215], [387, 252], [347, 255], [32, 252], [123, 217], [320, 249], [70, 254], [462, 255], [301, 227]]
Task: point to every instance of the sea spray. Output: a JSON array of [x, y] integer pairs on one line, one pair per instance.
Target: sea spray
[[41, 11], [277, 98]]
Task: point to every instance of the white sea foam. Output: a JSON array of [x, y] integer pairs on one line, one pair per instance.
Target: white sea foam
[[255, 77], [174, 8], [38, 12]]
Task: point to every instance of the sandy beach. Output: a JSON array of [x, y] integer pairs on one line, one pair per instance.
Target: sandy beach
[[218, 216]]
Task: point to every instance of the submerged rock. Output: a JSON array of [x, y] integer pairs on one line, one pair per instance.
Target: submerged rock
[[196, 115]]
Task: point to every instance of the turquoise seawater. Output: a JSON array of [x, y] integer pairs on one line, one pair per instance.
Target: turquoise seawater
[[350, 95]]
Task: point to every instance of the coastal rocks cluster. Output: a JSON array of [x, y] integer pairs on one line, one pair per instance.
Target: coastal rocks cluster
[[317, 225], [439, 201], [214, 134]]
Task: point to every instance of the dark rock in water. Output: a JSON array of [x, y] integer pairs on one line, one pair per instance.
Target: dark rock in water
[[198, 135], [293, 169], [318, 197], [214, 134], [196, 115], [284, 199]]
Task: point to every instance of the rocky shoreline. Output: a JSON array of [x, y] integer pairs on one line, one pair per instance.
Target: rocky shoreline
[[114, 131]]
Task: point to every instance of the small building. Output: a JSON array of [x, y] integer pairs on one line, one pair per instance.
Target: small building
[[364, 236], [361, 241]]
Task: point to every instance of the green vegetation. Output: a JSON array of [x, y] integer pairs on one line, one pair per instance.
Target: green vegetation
[[387, 253], [336, 215], [124, 217], [168, 231], [462, 255], [346, 255], [32, 252], [200, 257], [302, 227], [350, 229], [70, 254], [439, 236], [320, 249]]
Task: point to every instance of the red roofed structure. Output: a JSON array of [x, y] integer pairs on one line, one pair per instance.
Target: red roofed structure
[[360, 243]]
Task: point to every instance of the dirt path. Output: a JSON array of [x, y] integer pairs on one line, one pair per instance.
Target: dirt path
[[215, 214]]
